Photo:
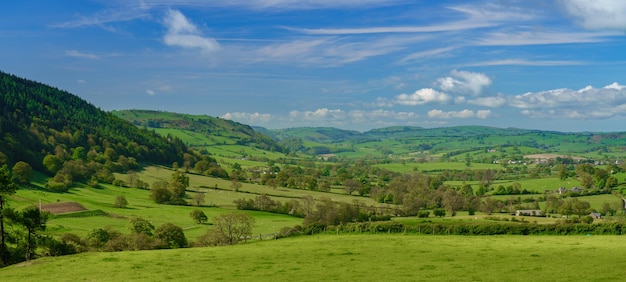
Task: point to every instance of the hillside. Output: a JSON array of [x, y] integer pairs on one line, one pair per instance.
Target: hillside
[[213, 130], [315, 134], [37, 119]]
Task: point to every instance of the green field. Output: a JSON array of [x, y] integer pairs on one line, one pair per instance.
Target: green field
[[351, 258]]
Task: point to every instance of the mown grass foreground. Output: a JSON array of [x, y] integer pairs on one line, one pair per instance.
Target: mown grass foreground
[[351, 258]]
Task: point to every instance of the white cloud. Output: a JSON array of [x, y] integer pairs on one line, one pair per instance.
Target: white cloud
[[264, 4], [464, 82], [182, 33], [426, 54], [77, 54], [588, 102], [319, 114], [81, 81], [333, 51], [541, 38], [422, 97], [524, 62], [463, 114], [150, 92], [103, 19], [597, 14], [483, 114], [249, 118]]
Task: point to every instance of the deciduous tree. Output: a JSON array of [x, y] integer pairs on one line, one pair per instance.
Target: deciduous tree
[[22, 172], [7, 187], [231, 228], [172, 235], [198, 216]]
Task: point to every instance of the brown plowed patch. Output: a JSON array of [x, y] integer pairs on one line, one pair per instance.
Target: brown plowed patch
[[57, 208]]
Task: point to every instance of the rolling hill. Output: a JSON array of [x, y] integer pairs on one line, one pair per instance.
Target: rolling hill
[[211, 130]]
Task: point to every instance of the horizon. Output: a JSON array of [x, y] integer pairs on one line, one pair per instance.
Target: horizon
[[351, 65]]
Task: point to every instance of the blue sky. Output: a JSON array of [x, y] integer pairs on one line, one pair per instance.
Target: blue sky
[[351, 64]]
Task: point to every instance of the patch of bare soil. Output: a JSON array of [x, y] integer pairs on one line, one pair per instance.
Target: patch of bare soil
[[57, 208]]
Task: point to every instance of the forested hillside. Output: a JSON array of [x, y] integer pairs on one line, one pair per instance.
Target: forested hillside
[[37, 120]]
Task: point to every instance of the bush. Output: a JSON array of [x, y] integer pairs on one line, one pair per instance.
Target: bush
[[423, 214]]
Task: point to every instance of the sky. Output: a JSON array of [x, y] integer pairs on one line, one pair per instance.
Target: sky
[[352, 64]]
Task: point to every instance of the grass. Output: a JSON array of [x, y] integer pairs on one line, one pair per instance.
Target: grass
[[140, 204], [351, 258]]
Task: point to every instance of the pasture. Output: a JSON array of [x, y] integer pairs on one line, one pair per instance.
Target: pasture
[[369, 257]]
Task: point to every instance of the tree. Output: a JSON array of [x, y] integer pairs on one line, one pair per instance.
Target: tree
[[7, 187], [140, 225], [33, 220], [466, 190], [198, 216], [198, 198], [171, 235], [452, 201], [580, 208], [120, 202], [160, 195], [489, 205], [22, 172], [230, 228], [351, 185], [52, 163], [235, 184]]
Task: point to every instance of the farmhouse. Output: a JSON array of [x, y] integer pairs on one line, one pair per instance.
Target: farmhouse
[[528, 212], [596, 215]]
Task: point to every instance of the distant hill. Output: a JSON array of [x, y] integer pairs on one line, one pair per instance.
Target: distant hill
[[315, 134], [211, 127], [37, 119]]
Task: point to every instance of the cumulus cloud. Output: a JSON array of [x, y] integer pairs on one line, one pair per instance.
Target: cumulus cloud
[[318, 114], [463, 114], [182, 33], [150, 92], [597, 14], [249, 118], [464, 82], [422, 97], [588, 102]]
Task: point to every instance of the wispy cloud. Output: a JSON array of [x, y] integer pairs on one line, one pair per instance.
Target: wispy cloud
[[332, 51], [540, 38], [182, 33], [105, 18], [77, 54], [426, 54], [525, 62], [264, 4]]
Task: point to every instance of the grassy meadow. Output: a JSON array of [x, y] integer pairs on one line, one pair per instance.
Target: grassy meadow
[[380, 257]]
